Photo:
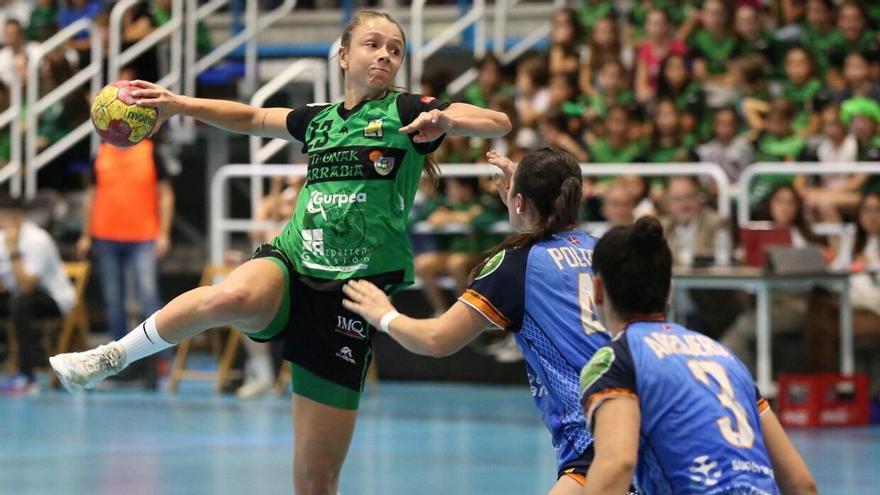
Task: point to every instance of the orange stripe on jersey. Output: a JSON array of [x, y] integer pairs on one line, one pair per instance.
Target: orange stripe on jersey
[[611, 392], [763, 405], [477, 301], [578, 478]]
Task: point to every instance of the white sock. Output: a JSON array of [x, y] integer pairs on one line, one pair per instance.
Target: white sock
[[262, 366], [143, 341]]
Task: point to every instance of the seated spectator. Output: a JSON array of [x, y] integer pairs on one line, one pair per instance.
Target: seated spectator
[[819, 35], [753, 38], [857, 82], [555, 133], [752, 95], [801, 87], [42, 23], [532, 94], [778, 143], [489, 82], [618, 208], [565, 42], [592, 12], [66, 172], [689, 227], [604, 46], [862, 115], [615, 144], [784, 208], [669, 142], [457, 254], [14, 45], [822, 335], [833, 194], [612, 88], [730, 149], [713, 44], [659, 43], [676, 13], [853, 36], [689, 96], [73, 11], [33, 275]]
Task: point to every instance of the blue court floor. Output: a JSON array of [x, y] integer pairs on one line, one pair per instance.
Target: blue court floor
[[411, 439]]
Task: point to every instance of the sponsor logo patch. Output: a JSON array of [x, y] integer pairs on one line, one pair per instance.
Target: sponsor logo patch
[[702, 471], [345, 355], [599, 364], [383, 164], [491, 265], [373, 129], [313, 241], [351, 327]]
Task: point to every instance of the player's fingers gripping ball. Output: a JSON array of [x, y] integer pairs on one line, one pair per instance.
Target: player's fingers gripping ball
[[118, 118]]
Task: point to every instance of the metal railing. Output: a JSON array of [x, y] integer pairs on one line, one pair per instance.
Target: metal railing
[[37, 105], [116, 58], [302, 70], [221, 225], [421, 51], [793, 168], [254, 24], [502, 7], [12, 117]]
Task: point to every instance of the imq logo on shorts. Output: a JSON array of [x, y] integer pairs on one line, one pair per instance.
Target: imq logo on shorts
[[351, 327]]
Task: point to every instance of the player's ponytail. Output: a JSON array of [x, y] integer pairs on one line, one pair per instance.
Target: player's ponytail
[[636, 267], [551, 182]]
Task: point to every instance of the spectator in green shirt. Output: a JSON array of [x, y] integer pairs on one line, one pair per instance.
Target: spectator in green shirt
[[800, 87], [713, 44], [42, 23], [853, 36], [777, 143], [612, 87], [819, 33], [677, 84], [753, 37], [669, 142], [565, 40], [604, 46], [490, 81]]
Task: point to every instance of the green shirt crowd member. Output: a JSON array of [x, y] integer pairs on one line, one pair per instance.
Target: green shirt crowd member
[[716, 52]]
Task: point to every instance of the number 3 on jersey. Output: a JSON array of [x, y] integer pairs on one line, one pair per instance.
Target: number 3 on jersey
[[740, 435]]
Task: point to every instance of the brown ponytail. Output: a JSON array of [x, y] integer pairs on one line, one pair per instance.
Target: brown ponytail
[[551, 181]]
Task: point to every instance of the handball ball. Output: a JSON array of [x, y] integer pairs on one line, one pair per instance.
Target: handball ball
[[117, 117]]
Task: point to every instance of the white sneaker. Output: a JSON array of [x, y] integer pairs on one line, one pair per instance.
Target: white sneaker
[[254, 388], [83, 370]]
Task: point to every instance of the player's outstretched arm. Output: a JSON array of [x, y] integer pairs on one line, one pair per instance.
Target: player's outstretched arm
[[458, 119], [616, 440], [436, 337], [229, 115], [791, 472]]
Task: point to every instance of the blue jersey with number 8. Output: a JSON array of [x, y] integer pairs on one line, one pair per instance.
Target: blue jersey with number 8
[[543, 293], [700, 410]]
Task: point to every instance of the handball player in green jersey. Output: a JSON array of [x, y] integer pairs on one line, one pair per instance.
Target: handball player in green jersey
[[366, 155]]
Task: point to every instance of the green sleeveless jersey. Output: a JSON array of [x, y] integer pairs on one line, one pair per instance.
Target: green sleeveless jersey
[[351, 216]]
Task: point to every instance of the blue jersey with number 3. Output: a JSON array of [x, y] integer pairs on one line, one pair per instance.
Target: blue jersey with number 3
[[700, 425], [543, 293]]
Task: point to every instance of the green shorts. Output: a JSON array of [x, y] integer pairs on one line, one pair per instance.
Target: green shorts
[[328, 346]]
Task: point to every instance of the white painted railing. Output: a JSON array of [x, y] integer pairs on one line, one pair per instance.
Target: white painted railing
[[117, 59], [37, 105], [421, 50], [12, 117]]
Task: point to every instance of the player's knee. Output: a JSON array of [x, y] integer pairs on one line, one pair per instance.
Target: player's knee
[[318, 483], [234, 301]]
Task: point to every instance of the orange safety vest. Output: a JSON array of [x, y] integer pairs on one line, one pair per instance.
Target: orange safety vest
[[126, 204]]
